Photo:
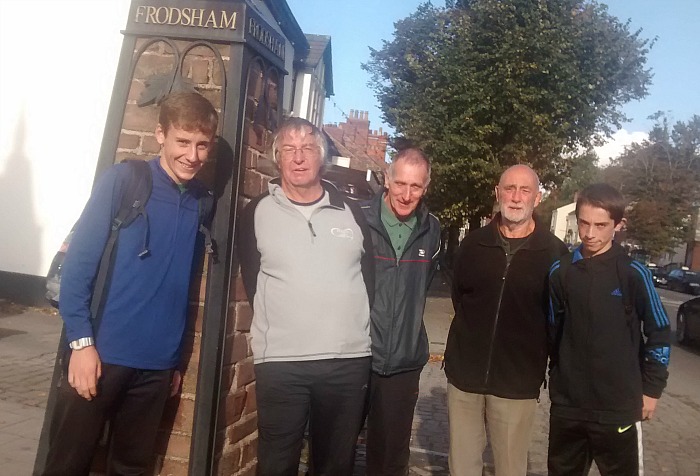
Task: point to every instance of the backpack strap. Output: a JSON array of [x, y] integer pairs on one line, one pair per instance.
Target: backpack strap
[[132, 202], [206, 205]]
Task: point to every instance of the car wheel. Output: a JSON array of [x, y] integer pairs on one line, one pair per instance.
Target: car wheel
[[681, 331]]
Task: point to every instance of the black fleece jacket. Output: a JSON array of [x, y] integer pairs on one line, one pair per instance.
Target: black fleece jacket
[[497, 343]]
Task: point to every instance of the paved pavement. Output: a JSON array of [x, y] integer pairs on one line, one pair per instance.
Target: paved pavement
[[28, 342]]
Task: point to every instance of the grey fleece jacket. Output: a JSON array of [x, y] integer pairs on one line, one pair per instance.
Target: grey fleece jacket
[[310, 282]]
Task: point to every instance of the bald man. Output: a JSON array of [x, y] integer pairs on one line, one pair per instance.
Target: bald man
[[496, 351]]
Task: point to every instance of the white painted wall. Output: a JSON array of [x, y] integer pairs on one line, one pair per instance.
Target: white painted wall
[[57, 65]]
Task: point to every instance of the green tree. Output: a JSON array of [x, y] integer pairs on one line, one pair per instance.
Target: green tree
[[660, 178], [484, 84]]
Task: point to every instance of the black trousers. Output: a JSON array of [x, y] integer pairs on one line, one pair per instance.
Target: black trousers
[[132, 399], [392, 401], [574, 445], [329, 394]]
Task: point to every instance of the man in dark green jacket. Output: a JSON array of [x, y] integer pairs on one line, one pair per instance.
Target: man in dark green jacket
[[406, 241], [496, 350]]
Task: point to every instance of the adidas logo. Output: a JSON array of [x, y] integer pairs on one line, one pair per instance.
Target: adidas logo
[[616, 292]]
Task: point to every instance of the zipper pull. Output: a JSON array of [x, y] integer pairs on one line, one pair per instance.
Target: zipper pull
[[311, 228]]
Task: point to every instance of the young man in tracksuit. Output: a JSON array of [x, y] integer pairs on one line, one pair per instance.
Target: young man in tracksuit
[[126, 368], [605, 376], [406, 240]]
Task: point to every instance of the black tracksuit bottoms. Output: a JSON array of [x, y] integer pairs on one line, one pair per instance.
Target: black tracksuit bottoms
[[328, 394], [131, 399], [575, 444], [392, 401]]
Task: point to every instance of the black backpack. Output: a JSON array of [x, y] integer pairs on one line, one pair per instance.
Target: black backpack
[[132, 203]]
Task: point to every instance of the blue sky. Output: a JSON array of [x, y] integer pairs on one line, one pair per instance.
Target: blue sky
[[356, 25]]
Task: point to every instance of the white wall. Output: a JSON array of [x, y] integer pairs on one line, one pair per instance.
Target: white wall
[[57, 65]]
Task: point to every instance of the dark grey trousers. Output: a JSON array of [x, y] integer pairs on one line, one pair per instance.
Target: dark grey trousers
[[329, 395]]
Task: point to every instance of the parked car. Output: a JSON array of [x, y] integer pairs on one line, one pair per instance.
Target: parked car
[[688, 321], [684, 280], [658, 276]]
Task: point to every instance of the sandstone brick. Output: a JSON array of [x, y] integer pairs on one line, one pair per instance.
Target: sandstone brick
[[249, 450], [190, 373], [136, 89], [244, 427], [128, 141], [251, 106], [180, 411], [249, 470], [196, 69], [123, 156], [229, 462], [255, 80], [236, 348], [251, 402], [252, 183], [174, 445], [266, 166], [174, 467], [251, 158], [231, 407], [191, 347], [244, 316], [150, 145], [142, 119], [245, 372], [153, 64], [214, 97], [227, 374], [218, 74], [237, 289]]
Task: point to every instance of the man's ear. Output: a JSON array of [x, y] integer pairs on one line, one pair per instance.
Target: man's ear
[[622, 225], [160, 134], [538, 199]]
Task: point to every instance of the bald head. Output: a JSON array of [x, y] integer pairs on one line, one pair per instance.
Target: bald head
[[523, 171], [518, 193]]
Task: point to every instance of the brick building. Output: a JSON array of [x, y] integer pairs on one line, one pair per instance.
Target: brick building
[[367, 148]]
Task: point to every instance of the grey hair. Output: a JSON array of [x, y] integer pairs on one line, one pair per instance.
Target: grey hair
[[412, 156], [297, 124]]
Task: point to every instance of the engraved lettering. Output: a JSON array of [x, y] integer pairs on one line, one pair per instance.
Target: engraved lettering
[[150, 15], [171, 19], [186, 18], [158, 15], [197, 14], [227, 21], [139, 13], [211, 19]]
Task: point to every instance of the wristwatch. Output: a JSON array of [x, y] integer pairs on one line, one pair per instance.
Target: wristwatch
[[81, 343]]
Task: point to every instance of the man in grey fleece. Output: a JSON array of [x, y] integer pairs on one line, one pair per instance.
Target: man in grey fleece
[[308, 270]]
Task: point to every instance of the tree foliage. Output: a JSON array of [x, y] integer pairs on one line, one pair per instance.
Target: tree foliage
[[661, 178], [484, 84]]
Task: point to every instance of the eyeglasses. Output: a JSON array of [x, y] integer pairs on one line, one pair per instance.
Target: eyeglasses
[[308, 150]]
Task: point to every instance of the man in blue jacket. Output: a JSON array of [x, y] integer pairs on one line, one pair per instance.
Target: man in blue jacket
[[406, 240], [127, 368]]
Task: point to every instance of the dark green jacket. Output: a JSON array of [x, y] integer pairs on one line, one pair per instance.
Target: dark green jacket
[[399, 340]]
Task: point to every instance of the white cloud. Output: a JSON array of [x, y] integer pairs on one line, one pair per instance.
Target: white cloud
[[615, 146]]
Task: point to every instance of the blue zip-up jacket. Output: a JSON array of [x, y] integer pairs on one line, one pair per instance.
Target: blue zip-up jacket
[[600, 363], [145, 303]]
